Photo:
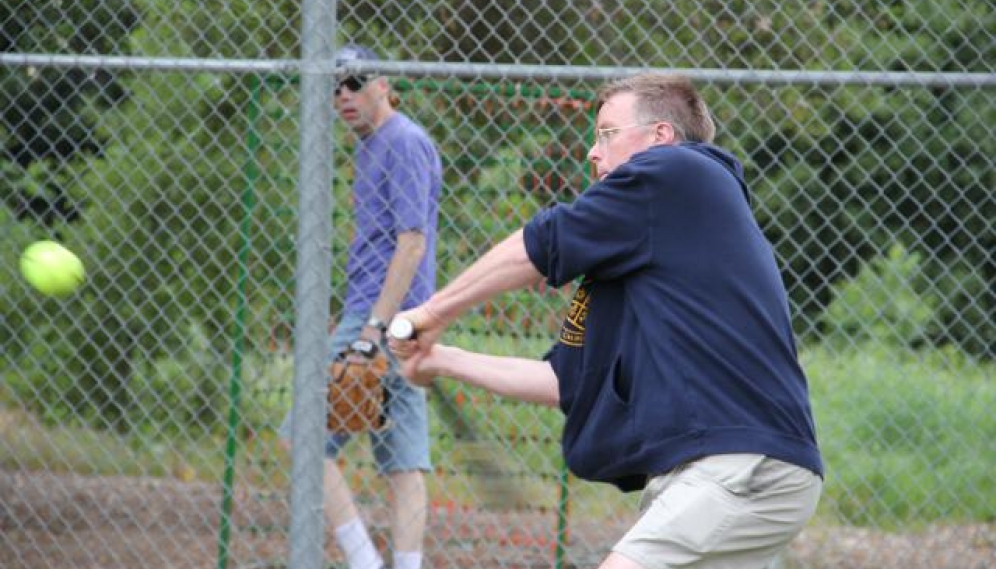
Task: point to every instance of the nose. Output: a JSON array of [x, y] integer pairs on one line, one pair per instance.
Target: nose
[[594, 154]]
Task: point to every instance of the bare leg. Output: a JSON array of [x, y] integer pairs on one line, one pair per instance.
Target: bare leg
[[339, 505], [409, 509], [616, 561]]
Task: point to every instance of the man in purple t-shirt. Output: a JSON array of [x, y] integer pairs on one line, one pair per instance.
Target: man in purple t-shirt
[[391, 267]]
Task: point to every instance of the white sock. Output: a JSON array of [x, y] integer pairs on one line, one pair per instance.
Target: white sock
[[359, 548], [407, 560]]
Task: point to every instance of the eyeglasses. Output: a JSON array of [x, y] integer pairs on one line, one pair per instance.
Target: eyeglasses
[[604, 135], [354, 83]]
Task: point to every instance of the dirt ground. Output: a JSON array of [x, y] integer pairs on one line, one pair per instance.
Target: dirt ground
[[72, 522]]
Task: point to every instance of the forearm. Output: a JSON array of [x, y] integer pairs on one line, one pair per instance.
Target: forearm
[[505, 267], [517, 378], [400, 274]]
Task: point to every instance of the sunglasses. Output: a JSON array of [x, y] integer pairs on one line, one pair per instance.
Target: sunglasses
[[354, 83]]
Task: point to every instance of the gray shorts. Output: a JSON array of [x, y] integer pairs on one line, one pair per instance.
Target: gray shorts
[[734, 511], [404, 444]]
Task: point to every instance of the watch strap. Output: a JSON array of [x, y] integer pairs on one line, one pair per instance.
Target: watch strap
[[377, 324]]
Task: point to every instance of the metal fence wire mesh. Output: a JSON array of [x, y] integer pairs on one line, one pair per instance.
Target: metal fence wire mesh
[[161, 142]]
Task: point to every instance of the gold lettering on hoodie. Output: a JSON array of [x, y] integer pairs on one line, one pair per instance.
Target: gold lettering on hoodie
[[572, 330]]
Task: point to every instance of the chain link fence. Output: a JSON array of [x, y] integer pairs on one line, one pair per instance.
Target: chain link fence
[[161, 142]]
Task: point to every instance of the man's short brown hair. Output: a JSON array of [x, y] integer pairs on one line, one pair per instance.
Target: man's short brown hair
[[665, 97]]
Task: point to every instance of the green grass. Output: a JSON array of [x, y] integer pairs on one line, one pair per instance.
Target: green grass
[[907, 438], [27, 444]]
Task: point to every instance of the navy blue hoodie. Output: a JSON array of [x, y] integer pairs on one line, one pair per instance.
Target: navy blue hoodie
[[678, 342]]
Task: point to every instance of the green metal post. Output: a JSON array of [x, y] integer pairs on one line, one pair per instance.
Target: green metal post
[[235, 383]]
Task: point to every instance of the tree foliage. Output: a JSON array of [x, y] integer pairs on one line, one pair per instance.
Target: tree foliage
[[146, 174], [47, 115]]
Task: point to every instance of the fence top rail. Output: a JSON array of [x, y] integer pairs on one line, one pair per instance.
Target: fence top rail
[[497, 71]]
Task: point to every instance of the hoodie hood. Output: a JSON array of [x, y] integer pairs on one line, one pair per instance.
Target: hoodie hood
[[724, 158]]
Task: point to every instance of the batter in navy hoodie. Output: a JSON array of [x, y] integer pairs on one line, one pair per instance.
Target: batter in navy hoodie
[[678, 343]]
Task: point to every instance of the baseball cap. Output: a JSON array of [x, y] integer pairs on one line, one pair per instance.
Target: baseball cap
[[352, 52]]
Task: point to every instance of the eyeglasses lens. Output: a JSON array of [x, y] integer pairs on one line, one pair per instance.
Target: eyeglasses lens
[[354, 83]]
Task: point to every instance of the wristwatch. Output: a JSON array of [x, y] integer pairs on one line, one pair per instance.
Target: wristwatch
[[377, 324], [365, 348]]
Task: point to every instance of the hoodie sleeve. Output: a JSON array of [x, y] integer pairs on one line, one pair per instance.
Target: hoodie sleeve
[[604, 234]]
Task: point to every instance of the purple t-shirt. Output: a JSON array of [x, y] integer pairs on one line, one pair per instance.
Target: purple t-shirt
[[398, 176]]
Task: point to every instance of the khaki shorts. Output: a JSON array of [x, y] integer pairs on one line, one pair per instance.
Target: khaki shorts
[[735, 511]]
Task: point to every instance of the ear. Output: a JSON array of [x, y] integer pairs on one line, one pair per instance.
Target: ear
[[664, 133], [382, 84]]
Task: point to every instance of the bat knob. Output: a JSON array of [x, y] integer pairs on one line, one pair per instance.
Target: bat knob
[[401, 329]]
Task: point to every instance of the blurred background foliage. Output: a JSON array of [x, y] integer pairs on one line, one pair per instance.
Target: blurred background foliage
[[879, 200]]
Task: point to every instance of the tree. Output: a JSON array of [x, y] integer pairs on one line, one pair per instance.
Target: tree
[[47, 115]]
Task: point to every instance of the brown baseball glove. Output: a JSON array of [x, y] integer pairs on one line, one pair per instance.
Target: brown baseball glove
[[357, 396]]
